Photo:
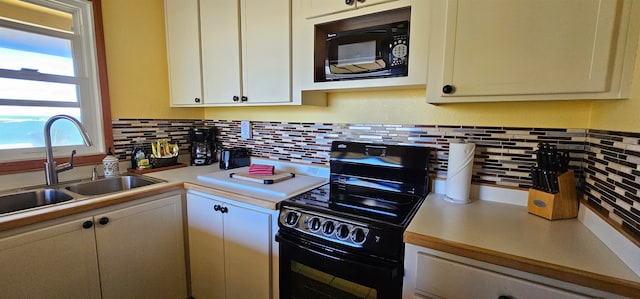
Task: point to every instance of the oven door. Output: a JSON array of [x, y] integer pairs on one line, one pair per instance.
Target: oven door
[[311, 270]]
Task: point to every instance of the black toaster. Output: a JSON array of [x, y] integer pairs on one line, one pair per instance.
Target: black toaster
[[234, 157]]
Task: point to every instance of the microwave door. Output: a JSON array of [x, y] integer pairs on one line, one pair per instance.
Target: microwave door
[[352, 56], [358, 58]]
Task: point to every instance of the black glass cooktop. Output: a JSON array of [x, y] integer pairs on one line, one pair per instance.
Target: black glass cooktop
[[371, 207]]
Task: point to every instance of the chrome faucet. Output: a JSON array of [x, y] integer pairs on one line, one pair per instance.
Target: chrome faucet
[[50, 168]]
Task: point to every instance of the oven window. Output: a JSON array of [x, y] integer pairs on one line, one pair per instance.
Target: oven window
[[310, 283]]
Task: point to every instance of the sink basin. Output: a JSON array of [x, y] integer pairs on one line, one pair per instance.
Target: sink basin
[[110, 185], [31, 199]]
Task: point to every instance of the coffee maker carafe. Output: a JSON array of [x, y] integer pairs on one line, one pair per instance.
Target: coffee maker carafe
[[203, 146]]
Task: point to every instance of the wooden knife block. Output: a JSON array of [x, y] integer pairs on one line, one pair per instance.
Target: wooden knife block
[[561, 205]]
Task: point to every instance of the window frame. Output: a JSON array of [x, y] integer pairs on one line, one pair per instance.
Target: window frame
[[105, 106]]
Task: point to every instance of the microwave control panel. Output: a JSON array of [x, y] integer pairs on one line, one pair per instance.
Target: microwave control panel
[[399, 51]]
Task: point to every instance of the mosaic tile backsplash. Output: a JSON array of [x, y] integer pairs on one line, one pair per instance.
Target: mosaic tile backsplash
[[607, 164]]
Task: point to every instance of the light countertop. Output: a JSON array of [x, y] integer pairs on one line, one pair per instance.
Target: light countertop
[[507, 235], [498, 233], [178, 178]]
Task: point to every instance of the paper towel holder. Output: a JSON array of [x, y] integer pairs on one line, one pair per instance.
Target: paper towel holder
[[460, 176]]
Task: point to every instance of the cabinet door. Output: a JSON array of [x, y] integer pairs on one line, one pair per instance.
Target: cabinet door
[[220, 37], [441, 278], [183, 52], [506, 47], [315, 8], [247, 246], [230, 252], [141, 251], [364, 3], [266, 60], [53, 262], [206, 248]]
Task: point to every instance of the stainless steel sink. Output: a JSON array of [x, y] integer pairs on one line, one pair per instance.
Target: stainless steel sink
[[38, 196], [31, 199], [111, 185]]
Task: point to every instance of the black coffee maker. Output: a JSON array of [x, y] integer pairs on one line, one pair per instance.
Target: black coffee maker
[[203, 146]]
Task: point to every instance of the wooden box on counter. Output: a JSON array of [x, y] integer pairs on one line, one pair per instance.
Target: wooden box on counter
[[561, 205]]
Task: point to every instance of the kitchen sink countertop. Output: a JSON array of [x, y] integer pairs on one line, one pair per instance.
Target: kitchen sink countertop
[[507, 235], [186, 177], [497, 233]]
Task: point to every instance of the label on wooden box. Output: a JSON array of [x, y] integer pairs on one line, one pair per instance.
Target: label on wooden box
[[561, 205]]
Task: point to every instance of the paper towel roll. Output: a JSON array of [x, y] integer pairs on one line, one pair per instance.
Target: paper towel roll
[[459, 171]]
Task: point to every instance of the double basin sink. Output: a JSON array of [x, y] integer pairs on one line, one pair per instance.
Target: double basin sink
[[28, 198]]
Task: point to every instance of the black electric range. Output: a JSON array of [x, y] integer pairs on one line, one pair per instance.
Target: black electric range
[[360, 215]]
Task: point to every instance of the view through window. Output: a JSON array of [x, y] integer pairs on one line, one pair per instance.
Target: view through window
[[47, 67]]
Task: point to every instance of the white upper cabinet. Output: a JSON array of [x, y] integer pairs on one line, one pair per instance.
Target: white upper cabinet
[[266, 51], [183, 52], [221, 64], [245, 55], [505, 50], [235, 52], [316, 8]]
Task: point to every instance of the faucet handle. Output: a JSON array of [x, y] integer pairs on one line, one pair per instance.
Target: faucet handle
[[67, 165], [73, 153], [94, 174]]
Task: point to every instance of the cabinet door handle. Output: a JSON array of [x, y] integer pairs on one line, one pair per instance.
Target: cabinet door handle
[[103, 220], [361, 1], [221, 209], [236, 98], [348, 2], [244, 99], [197, 100], [447, 89], [87, 224], [504, 297]]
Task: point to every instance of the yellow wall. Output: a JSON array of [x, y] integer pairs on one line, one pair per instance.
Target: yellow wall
[[134, 33], [409, 107], [137, 61]]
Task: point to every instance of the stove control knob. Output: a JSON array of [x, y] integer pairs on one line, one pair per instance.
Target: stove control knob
[[358, 235], [342, 232], [328, 228], [292, 218], [314, 224]]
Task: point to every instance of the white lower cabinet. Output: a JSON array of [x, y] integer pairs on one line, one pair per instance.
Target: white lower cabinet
[[434, 274], [141, 251], [230, 248], [131, 252], [58, 261]]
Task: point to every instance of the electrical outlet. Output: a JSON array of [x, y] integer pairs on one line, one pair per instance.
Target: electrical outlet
[[245, 129]]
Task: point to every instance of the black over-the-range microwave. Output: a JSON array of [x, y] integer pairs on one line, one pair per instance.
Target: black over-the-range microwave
[[371, 52]]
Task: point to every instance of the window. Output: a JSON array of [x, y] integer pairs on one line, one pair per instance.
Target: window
[[48, 66]]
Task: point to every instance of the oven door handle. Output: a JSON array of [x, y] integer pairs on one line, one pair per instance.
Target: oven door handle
[[317, 252], [322, 253], [281, 239]]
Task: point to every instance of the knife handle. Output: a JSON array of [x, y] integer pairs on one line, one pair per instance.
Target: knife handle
[[554, 182], [535, 178]]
